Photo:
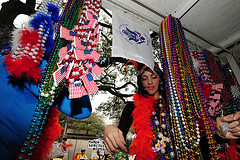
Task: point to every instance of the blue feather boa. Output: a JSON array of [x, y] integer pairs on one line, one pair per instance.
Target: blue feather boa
[[47, 21]]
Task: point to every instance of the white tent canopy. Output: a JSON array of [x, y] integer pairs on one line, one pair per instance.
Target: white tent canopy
[[208, 24]]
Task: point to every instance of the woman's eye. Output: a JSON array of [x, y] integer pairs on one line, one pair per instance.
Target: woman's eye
[[144, 79], [155, 77]]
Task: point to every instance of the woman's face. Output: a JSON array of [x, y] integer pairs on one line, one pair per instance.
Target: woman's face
[[150, 81]]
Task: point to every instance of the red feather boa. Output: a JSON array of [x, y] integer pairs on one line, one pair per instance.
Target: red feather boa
[[142, 144], [52, 131], [22, 65], [231, 151]]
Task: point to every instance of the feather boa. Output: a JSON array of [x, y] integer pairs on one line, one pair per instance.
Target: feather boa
[[22, 67], [53, 10], [142, 144], [52, 131], [38, 20], [31, 44], [231, 152], [25, 64]]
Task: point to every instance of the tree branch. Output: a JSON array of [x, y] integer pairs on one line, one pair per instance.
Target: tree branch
[[109, 89], [128, 83], [106, 12], [116, 88], [105, 25]]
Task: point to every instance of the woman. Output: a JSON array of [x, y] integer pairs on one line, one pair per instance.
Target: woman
[[149, 116]]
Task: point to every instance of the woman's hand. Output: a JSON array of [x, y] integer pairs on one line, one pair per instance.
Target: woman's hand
[[113, 139], [232, 125]]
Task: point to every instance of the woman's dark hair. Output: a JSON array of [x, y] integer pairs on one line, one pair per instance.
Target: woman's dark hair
[[161, 87]]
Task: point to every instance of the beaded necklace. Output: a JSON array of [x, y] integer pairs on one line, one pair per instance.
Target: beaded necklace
[[78, 57], [216, 76], [229, 103], [186, 102], [32, 43], [178, 120], [231, 87], [162, 131], [179, 112], [207, 84], [203, 70], [47, 90], [209, 127]]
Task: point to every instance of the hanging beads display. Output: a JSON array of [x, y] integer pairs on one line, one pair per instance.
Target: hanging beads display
[[185, 97], [216, 77], [51, 85], [232, 87], [76, 63], [30, 44], [44, 26], [219, 96], [221, 99], [210, 90]]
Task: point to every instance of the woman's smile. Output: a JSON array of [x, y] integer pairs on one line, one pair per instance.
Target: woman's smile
[[150, 87], [150, 81]]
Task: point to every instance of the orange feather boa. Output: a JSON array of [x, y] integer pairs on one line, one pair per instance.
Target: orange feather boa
[[142, 144], [52, 131]]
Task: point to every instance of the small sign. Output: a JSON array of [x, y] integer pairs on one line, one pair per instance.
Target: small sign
[[96, 144]]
